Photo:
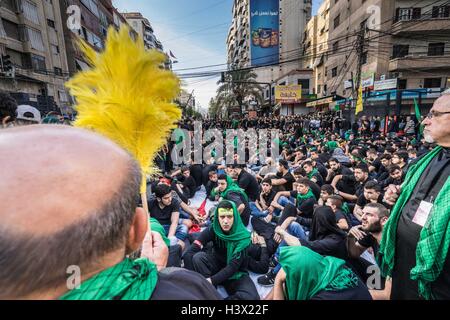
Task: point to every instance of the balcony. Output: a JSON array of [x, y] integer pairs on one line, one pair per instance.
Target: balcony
[[420, 62], [426, 24]]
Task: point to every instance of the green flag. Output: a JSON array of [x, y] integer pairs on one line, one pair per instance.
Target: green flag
[[418, 116], [417, 109]]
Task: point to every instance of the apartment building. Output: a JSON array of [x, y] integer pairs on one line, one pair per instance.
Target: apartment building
[[31, 37], [405, 53], [283, 34], [144, 29], [315, 47]]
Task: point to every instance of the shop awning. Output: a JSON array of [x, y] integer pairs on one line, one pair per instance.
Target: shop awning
[[324, 100]]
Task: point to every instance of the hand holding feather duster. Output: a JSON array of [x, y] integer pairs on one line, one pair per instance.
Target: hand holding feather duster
[[127, 97]]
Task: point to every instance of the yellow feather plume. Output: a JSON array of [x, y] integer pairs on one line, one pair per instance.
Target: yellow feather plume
[[127, 97]]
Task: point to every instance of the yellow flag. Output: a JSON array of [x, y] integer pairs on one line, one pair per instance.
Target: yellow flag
[[359, 102]]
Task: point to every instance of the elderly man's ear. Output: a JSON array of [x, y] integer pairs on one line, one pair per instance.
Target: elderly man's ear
[[138, 229]]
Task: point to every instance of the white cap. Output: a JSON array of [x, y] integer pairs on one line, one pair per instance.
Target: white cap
[[29, 113]]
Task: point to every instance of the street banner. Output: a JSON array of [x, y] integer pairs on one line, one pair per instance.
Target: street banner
[[359, 103], [264, 31], [288, 94], [385, 84]]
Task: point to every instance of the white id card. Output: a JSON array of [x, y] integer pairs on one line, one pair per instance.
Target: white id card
[[422, 213]]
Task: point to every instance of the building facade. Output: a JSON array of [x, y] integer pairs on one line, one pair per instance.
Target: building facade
[[31, 37], [144, 29], [402, 48], [293, 17], [315, 47]]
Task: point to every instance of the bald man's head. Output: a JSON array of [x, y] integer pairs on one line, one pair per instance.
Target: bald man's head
[[68, 198]]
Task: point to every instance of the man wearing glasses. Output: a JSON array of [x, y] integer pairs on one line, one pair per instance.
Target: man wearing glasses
[[420, 219]]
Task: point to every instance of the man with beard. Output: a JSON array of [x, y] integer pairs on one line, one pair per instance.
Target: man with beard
[[351, 185], [367, 236], [395, 176], [345, 187], [416, 238]]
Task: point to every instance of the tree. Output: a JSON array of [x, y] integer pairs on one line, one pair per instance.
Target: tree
[[239, 85]]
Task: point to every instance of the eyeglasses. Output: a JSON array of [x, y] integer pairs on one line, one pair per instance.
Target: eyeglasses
[[435, 114]]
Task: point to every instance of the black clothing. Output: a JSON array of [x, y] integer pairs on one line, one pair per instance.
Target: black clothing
[[205, 172], [408, 234], [182, 284], [218, 253], [197, 174], [239, 199], [162, 215], [268, 198], [258, 259], [306, 207], [362, 201], [319, 179], [358, 293], [348, 183], [322, 170], [210, 185], [325, 236], [189, 185], [248, 183], [288, 186]]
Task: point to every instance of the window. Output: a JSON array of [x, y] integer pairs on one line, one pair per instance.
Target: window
[[92, 6], [441, 12], [402, 83], [38, 63], [436, 49], [11, 29], [62, 96], [304, 83], [9, 4], [337, 21], [55, 49], [407, 14], [432, 83], [400, 51], [35, 38], [334, 72], [51, 23], [318, 88], [58, 71], [30, 11]]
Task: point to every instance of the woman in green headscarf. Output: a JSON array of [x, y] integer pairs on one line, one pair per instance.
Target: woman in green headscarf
[[306, 275], [225, 263]]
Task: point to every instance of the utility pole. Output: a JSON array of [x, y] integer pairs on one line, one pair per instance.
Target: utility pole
[[360, 51]]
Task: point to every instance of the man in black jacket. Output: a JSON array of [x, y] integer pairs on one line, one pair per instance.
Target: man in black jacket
[[247, 182]]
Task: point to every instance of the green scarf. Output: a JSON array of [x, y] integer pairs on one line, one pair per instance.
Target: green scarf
[[434, 241], [312, 173], [301, 197], [345, 208], [237, 240], [156, 226], [308, 273], [128, 280], [233, 187], [331, 145]]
